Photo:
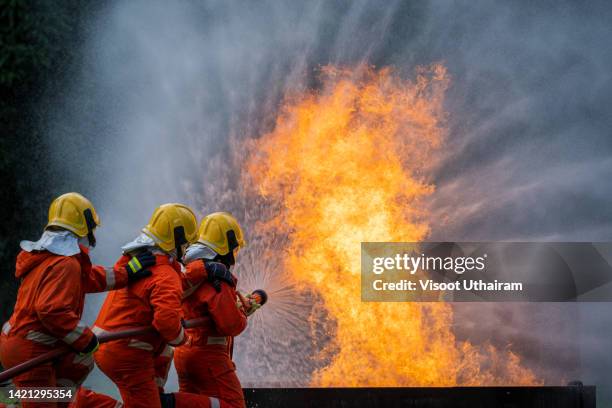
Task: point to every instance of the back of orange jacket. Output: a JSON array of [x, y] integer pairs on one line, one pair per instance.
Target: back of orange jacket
[[202, 300], [51, 296], [152, 301]]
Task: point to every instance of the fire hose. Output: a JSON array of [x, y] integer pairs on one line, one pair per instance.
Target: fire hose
[[105, 338], [102, 338]]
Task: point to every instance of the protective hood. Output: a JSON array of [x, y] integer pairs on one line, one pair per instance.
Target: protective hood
[[63, 243], [198, 251], [142, 241], [26, 261]]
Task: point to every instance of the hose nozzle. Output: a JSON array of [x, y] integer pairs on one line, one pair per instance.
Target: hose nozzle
[[251, 302], [260, 296]]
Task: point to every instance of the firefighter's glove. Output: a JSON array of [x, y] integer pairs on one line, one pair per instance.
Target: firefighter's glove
[[254, 305], [137, 267], [246, 303], [91, 347], [217, 273]]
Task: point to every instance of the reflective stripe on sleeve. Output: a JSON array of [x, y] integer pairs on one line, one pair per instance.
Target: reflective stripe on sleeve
[[179, 339], [110, 278], [135, 264], [41, 338], [6, 328], [75, 334], [214, 402], [216, 340], [98, 331]]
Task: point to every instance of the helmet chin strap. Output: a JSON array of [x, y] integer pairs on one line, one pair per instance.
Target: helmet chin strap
[[91, 225], [179, 241], [232, 243], [228, 259]]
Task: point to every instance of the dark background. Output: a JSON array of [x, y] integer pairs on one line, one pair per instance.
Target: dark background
[[39, 43]]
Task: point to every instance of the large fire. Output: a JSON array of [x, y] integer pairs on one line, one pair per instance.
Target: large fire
[[344, 164]]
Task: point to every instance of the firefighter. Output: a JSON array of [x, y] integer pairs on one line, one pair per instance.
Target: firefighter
[[139, 365], [55, 274], [206, 372]]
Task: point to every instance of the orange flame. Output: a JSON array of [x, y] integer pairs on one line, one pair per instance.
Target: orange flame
[[346, 164]]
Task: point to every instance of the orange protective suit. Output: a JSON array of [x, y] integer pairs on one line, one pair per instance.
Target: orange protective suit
[[47, 315], [139, 365], [88, 399], [206, 372]]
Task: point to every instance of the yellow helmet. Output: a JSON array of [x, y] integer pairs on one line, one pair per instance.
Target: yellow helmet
[[221, 232], [73, 212], [171, 226]]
